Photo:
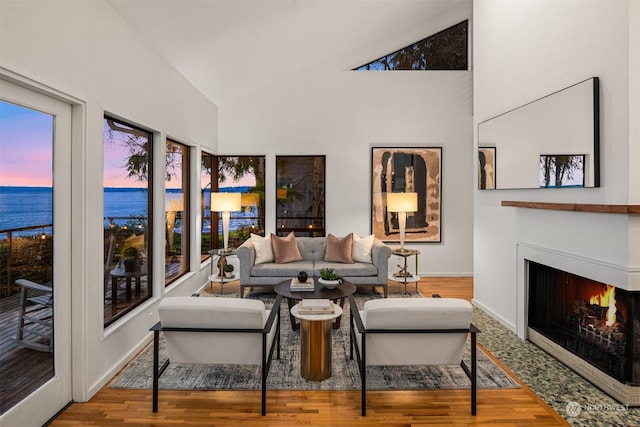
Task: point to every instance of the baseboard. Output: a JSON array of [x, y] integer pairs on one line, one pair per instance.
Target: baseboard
[[504, 322], [444, 274], [109, 375]]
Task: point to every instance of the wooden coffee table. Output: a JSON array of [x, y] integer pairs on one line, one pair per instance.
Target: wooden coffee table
[[336, 295]]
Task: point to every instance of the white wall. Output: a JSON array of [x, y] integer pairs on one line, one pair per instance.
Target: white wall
[[342, 114], [525, 50], [84, 50]]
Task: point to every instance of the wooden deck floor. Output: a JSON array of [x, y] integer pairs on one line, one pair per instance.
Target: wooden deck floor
[[23, 370], [505, 407]]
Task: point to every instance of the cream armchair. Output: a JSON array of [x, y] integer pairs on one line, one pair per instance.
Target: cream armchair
[[412, 331], [217, 331]]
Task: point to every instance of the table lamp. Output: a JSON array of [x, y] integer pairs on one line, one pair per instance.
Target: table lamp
[[225, 203], [402, 203], [173, 206]]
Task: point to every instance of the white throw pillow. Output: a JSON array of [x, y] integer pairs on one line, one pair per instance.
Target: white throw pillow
[[262, 245], [362, 248]]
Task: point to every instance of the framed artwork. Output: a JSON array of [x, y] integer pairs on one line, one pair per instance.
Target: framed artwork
[[408, 170], [486, 168], [300, 195]]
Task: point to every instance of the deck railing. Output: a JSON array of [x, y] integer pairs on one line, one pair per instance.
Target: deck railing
[[27, 252], [8, 255]]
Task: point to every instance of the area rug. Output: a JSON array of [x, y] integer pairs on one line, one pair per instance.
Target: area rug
[[285, 372]]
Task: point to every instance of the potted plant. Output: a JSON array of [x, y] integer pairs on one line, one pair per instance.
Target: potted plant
[[329, 278], [131, 255], [228, 270]]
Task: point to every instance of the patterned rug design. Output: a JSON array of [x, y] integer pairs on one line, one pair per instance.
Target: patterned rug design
[[285, 373]]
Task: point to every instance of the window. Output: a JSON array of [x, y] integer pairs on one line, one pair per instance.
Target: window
[[205, 205], [176, 257], [241, 174], [300, 194], [127, 212], [446, 50]]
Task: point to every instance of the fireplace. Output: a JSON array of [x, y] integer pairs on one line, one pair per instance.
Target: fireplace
[[594, 321]]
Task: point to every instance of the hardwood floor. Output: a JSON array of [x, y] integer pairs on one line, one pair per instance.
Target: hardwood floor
[[506, 407]]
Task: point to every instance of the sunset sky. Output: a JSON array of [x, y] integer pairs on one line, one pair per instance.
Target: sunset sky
[[26, 153], [25, 146]]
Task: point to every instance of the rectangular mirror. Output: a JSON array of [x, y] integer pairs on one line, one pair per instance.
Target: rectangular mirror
[[551, 142]]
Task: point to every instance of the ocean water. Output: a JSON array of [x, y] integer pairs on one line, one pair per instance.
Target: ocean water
[[24, 207], [30, 206]]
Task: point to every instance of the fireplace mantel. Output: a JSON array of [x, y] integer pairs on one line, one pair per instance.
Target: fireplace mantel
[[576, 207]]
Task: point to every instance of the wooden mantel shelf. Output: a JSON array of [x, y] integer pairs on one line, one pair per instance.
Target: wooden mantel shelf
[[575, 207]]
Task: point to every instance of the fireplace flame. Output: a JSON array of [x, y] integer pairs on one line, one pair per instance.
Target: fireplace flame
[[607, 298]]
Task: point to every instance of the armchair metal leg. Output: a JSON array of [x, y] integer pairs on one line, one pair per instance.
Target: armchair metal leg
[[278, 334], [157, 370], [156, 357], [363, 374], [473, 375], [263, 393], [363, 395]]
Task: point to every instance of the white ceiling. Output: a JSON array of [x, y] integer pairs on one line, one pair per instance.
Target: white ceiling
[[230, 48]]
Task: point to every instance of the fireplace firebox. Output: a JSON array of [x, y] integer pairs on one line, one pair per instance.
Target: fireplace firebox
[[595, 321]]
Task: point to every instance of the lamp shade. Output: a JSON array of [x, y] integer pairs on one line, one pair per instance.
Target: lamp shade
[[173, 204], [225, 202], [402, 202], [281, 193]]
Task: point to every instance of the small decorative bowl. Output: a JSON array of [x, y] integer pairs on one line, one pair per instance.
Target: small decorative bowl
[[329, 284]]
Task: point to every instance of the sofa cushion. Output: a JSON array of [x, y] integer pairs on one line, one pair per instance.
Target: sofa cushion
[[290, 269], [262, 246], [361, 251], [357, 269], [339, 250], [229, 313], [285, 249], [312, 248], [416, 313], [214, 347]]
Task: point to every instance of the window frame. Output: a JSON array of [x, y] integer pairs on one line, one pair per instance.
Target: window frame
[[307, 190], [129, 306], [185, 235], [205, 206], [260, 219]]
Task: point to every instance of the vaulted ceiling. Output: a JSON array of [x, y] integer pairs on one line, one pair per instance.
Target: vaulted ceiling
[[230, 48]]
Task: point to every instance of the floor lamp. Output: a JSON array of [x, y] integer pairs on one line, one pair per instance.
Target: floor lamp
[[402, 203], [225, 203]]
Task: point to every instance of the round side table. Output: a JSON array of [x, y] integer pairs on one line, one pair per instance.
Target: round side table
[[315, 343]]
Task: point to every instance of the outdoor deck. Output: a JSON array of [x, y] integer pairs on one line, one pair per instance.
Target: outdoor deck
[[23, 370]]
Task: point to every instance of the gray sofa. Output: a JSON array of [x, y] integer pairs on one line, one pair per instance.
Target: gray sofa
[[312, 250]]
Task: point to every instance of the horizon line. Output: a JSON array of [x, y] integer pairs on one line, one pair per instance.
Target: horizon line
[[118, 188]]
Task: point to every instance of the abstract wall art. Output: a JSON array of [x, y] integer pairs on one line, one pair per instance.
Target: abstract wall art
[[413, 169]]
